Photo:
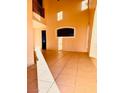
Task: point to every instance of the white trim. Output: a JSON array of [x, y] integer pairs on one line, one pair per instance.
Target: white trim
[[60, 39]]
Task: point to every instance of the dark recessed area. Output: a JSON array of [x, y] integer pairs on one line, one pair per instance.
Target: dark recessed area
[[65, 32]]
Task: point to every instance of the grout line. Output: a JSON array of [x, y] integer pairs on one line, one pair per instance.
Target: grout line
[[50, 87], [62, 68], [76, 73], [58, 75]]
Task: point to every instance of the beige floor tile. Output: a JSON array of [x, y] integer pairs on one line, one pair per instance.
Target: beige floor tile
[[85, 89], [54, 89], [66, 80], [74, 72], [66, 89]]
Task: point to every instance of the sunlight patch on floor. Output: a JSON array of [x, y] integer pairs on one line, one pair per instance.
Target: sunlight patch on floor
[[46, 82]]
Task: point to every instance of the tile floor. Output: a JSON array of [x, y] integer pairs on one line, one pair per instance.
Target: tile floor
[[73, 72], [32, 79], [46, 82]]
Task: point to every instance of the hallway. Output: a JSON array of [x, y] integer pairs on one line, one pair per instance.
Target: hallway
[[73, 72]]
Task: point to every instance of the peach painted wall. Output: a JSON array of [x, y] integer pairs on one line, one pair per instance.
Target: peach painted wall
[[72, 17], [37, 38], [30, 47], [92, 35], [92, 7], [39, 24]]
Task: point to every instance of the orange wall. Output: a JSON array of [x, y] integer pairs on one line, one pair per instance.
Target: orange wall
[[39, 24], [37, 38], [92, 7], [73, 17], [30, 54]]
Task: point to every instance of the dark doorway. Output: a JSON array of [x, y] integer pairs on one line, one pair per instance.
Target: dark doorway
[[43, 39]]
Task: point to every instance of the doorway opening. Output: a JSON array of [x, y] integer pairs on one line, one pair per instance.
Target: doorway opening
[[43, 39]]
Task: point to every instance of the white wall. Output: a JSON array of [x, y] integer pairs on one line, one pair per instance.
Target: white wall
[[93, 47]]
